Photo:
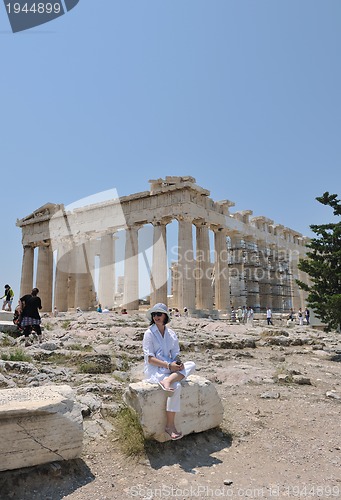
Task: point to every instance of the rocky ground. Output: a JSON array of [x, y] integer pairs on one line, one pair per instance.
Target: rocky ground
[[280, 388]]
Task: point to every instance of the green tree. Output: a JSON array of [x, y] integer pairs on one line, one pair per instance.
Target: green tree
[[323, 265]]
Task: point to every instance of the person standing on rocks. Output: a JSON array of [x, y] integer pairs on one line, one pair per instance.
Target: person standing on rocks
[[291, 316], [250, 315], [244, 315], [269, 316], [162, 364], [30, 315], [239, 314], [8, 296], [307, 316]]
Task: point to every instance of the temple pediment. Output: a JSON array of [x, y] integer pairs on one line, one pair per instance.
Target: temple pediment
[[44, 211]]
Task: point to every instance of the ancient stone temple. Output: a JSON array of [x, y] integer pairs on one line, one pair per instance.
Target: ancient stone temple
[[222, 259]]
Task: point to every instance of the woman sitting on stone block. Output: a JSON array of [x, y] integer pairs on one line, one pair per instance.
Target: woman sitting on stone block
[[162, 364]]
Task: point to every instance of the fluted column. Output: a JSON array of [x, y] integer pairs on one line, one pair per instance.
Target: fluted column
[[83, 277], [276, 289], [236, 271], [251, 273], [107, 277], [131, 270], [285, 279], [159, 267], [222, 282], [72, 277], [186, 281], [297, 293], [174, 283], [91, 250], [62, 277], [265, 298], [26, 284], [45, 275], [204, 270]]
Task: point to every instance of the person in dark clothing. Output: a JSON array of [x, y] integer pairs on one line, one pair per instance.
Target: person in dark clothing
[[8, 296], [30, 315], [307, 316]]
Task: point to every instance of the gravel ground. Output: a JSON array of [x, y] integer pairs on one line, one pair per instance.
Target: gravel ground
[[280, 437]]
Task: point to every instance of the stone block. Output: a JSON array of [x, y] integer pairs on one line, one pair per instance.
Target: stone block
[[201, 407], [6, 316], [39, 425]]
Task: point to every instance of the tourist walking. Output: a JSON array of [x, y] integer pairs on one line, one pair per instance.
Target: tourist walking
[[307, 316], [250, 315], [244, 315], [300, 316], [291, 315], [162, 364], [269, 316], [239, 314], [8, 296], [30, 317]]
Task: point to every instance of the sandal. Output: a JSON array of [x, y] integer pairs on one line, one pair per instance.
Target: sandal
[[169, 391], [174, 435]]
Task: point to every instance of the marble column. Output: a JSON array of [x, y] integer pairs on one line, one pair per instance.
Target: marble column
[[285, 280], [26, 284], [83, 277], [236, 271], [91, 250], [159, 272], [222, 281], [276, 292], [107, 276], [62, 278], [265, 298], [174, 283], [72, 277], [251, 267], [186, 280], [131, 270], [204, 268], [44, 278], [297, 297]]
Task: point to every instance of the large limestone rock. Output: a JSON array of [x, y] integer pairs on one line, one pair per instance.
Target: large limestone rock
[[6, 322], [39, 425], [201, 407]]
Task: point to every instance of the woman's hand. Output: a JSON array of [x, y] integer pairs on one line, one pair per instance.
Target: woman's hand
[[174, 367]]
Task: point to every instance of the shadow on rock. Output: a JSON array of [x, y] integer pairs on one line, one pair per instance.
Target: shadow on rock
[[336, 357], [51, 481], [190, 452]]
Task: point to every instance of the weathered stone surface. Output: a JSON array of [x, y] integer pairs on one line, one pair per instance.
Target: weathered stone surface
[[101, 362], [39, 425], [301, 380], [201, 407]]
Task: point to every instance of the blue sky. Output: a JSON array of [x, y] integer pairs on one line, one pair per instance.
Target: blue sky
[[244, 95]]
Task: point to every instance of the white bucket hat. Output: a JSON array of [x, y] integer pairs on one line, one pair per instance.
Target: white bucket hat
[[162, 308]]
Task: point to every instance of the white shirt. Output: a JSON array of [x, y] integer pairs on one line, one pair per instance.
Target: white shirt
[[164, 347]]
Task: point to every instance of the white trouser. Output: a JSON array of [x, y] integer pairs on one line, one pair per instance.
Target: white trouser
[[173, 402]]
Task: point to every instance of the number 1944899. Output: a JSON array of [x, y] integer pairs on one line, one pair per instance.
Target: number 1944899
[[33, 8]]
